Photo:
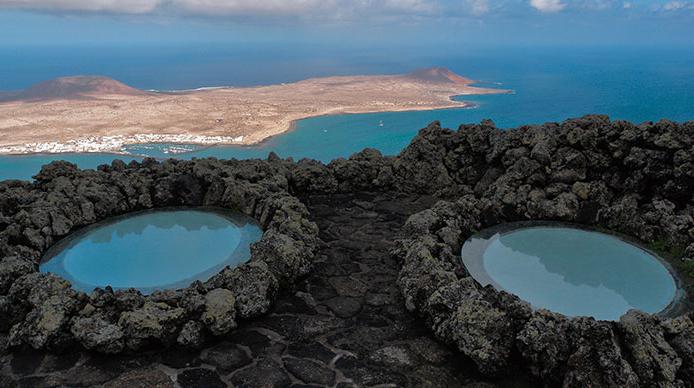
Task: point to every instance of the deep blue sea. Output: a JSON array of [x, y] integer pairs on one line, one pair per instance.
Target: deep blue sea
[[549, 84]]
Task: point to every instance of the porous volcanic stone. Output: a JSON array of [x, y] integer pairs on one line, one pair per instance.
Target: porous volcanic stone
[[310, 371], [632, 179], [200, 377], [219, 311], [635, 180], [44, 312], [265, 373], [144, 378]]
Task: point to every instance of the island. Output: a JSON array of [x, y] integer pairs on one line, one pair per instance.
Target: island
[[99, 114]]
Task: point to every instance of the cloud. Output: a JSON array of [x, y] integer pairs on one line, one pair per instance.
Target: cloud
[[478, 7], [598, 5], [109, 6], [547, 5], [250, 7], [331, 9], [338, 10], [678, 5], [299, 8]]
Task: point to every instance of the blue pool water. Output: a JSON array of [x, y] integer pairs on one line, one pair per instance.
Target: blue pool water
[[151, 251], [550, 84], [572, 271]]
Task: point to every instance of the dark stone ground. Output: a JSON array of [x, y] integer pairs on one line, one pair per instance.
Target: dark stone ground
[[345, 325]]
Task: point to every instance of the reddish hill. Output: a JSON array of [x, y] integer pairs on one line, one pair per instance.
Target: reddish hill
[[438, 75], [77, 87]]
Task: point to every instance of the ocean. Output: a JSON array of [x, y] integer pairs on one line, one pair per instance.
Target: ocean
[[550, 84]]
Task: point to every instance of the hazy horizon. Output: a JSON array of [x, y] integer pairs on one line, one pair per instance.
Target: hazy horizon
[[365, 23], [194, 66], [287, 40]]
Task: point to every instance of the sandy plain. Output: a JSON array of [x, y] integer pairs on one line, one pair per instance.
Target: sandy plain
[[98, 114]]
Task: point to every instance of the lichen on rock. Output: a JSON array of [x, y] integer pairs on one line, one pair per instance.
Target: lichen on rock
[[631, 179], [44, 312], [220, 312]]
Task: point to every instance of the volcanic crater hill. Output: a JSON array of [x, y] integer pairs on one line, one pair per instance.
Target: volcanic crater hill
[[438, 75], [76, 87], [388, 301], [93, 86]]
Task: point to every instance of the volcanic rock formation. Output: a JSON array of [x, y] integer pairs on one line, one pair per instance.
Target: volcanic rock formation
[[633, 179], [43, 311]]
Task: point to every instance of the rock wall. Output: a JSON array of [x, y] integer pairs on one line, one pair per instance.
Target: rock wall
[[612, 175], [578, 170], [635, 180], [44, 312]]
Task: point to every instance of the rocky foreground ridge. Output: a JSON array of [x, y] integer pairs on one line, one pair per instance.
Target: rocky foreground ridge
[[635, 180], [613, 176], [44, 312]]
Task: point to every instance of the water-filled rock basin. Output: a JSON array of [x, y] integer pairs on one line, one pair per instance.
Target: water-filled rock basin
[[571, 271], [155, 250]]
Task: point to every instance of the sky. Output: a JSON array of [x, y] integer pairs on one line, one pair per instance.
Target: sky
[[426, 23]]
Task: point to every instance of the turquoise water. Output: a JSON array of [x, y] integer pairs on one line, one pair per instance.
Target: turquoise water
[[636, 84], [166, 249], [26, 166], [578, 273]]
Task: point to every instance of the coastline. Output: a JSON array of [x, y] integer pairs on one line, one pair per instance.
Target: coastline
[[106, 144], [112, 144], [294, 123], [435, 96]]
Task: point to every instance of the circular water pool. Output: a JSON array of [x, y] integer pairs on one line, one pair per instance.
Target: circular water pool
[[156, 250], [571, 271]]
